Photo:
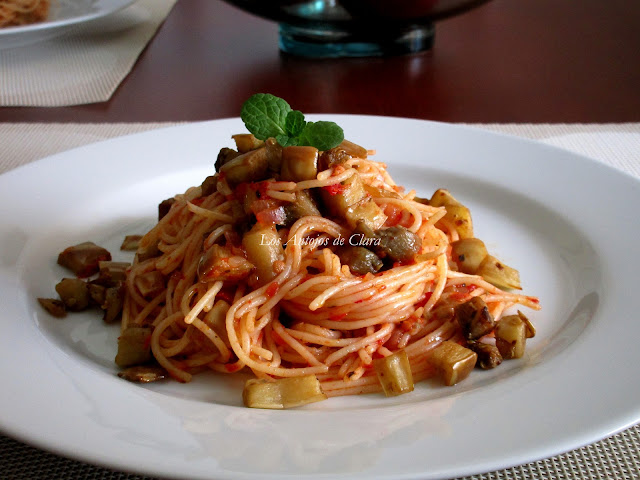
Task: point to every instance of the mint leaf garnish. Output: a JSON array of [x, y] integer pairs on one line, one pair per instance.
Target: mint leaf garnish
[[322, 135], [266, 115], [286, 141], [294, 123]]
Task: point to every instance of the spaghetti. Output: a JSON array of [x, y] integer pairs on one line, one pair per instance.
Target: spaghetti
[[22, 12], [306, 309]]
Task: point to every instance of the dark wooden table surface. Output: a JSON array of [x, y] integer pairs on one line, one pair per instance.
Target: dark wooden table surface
[[506, 61]]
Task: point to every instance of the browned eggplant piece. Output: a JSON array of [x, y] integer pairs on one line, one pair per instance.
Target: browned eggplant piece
[[134, 346], [360, 260], [264, 248], [303, 206], [274, 154], [529, 328], [209, 185], [150, 284], [83, 259], [367, 212], [340, 154], [150, 251], [164, 207], [54, 306], [398, 244], [246, 142], [130, 243], [97, 293], [143, 373], [225, 155], [457, 213], [112, 273], [74, 293], [468, 254], [252, 166], [511, 336], [113, 303], [474, 318], [499, 274], [219, 263], [376, 192], [488, 355], [349, 192], [299, 163]]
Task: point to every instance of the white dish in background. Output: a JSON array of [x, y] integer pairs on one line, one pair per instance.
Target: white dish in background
[[568, 223], [63, 16]]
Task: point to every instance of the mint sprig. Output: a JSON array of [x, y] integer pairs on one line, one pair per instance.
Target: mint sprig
[[266, 115]]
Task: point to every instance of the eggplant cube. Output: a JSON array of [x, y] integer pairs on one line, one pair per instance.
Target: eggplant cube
[[453, 361], [394, 373]]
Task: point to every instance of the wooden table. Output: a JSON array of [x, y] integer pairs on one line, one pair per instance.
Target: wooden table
[[532, 61]]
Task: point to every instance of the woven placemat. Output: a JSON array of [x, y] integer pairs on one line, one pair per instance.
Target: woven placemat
[[616, 457], [85, 65]]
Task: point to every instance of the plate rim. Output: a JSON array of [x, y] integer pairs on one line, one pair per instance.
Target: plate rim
[[53, 158]]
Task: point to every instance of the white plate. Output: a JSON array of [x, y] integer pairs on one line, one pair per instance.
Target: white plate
[[63, 16], [569, 224]]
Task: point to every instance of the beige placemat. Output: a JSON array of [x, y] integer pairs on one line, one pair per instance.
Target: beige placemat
[[83, 66], [616, 457]]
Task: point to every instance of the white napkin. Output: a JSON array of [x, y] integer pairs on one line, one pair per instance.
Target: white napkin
[[85, 65]]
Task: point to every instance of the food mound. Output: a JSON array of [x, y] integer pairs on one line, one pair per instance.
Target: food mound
[[308, 268]]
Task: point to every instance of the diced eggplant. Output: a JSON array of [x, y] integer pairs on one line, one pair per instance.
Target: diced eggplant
[[488, 355], [443, 197], [246, 142], [143, 374], [530, 329], [460, 216], [150, 284], [219, 263], [340, 154], [113, 303], [397, 244], [247, 167], [164, 207], [360, 260], [54, 306], [394, 373], [83, 259], [457, 213], [209, 185], [453, 361], [338, 198], [216, 318], [474, 318], [376, 192], [468, 253], [287, 392], [150, 251], [97, 292], [499, 274], [299, 163], [303, 206], [367, 212], [112, 273], [134, 346], [225, 155], [264, 247], [274, 154], [511, 336], [74, 293], [130, 243]]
